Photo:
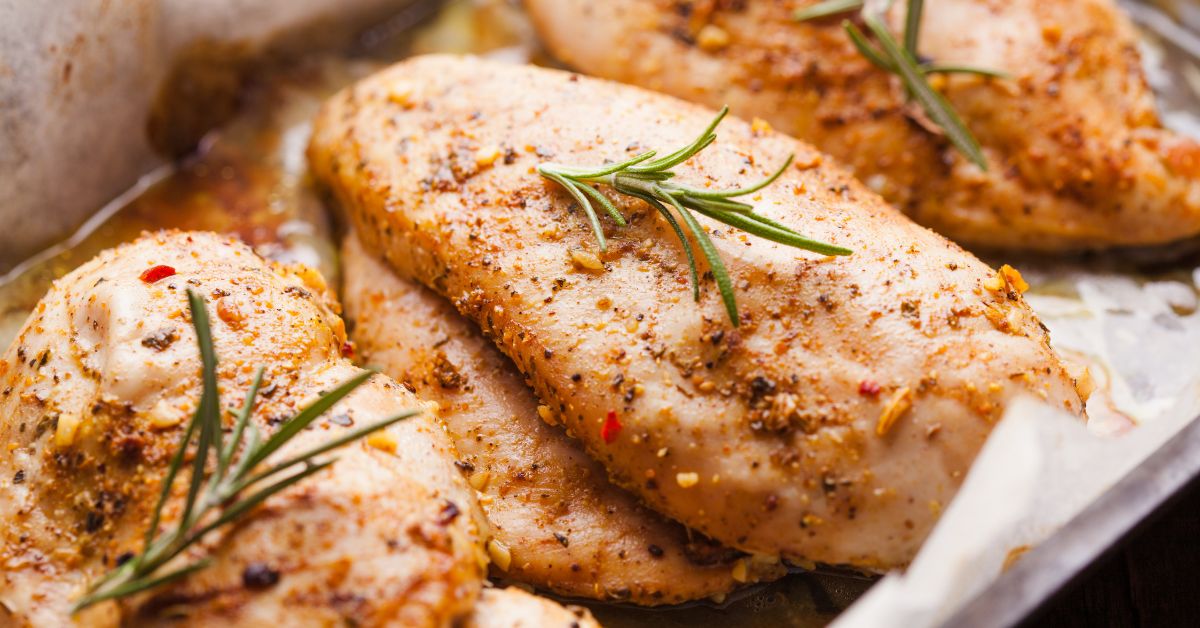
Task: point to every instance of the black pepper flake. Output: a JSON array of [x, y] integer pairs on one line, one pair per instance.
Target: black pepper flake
[[259, 576], [655, 551], [93, 522], [548, 354], [464, 466], [19, 478], [448, 513], [124, 557], [562, 539], [761, 386], [160, 339]]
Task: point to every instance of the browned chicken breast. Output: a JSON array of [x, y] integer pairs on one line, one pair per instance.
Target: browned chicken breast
[[514, 608], [832, 425], [555, 518], [1076, 154], [96, 392]]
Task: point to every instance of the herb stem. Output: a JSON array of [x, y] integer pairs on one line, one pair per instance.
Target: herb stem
[[649, 179], [904, 61], [218, 500]]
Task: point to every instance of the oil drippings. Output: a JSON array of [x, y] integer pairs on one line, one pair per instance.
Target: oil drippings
[[249, 178]]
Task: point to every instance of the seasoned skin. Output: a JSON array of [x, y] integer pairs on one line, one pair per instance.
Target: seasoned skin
[[568, 529], [96, 392], [1076, 153], [763, 437], [514, 608]]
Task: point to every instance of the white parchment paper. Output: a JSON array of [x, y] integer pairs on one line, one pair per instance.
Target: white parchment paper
[[1139, 334]]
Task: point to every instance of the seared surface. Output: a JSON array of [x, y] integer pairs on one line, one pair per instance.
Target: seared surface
[[514, 608], [775, 437], [568, 529], [97, 390], [1076, 153]]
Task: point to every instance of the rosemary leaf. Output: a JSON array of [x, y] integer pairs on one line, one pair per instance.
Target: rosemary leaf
[[904, 62], [687, 245], [605, 203], [865, 48], [205, 409], [826, 9], [241, 507], [935, 68], [723, 194], [348, 437], [934, 104], [137, 586], [239, 427], [228, 479], [293, 426], [580, 198], [648, 179], [720, 273], [912, 25]]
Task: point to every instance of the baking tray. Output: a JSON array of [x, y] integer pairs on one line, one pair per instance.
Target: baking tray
[[801, 599], [1070, 553]]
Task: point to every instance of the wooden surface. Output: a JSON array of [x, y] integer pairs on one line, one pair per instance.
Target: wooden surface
[[1153, 581]]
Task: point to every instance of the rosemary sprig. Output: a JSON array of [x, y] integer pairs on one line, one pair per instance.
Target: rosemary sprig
[[648, 179], [826, 9], [905, 62], [216, 498]]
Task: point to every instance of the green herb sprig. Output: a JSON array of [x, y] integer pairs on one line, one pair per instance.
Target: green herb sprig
[[648, 179], [215, 498], [904, 62]]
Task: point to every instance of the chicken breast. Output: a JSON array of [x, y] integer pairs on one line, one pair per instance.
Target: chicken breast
[[96, 392], [514, 608], [831, 426], [1077, 157], [564, 526]]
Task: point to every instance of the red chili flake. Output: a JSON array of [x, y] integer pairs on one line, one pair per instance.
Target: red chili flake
[[611, 427], [868, 388], [347, 349], [154, 273]]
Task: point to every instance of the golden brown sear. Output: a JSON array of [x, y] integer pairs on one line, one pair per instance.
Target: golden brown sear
[[831, 426], [1077, 156], [556, 520], [97, 391]]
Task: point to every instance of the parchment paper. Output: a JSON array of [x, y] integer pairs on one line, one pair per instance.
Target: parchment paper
[[1140, 334]]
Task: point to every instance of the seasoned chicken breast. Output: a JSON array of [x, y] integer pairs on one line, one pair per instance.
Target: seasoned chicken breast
[[1077, 157], [563, 526], [832, 425], [97, 390], [514, 608]]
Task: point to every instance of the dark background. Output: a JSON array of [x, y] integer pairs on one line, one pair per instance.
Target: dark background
[[1154, 580]]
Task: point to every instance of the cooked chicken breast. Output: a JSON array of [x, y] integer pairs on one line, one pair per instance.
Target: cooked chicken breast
[[96, 392], [565, 527], [1077, 157], [514, 608], [832, 426]]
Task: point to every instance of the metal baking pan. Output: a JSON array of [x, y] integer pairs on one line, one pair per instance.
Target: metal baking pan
[[247, 177]]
